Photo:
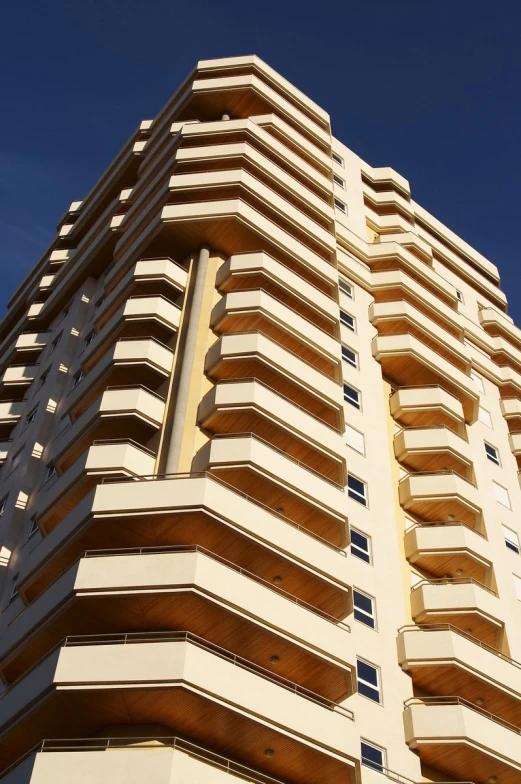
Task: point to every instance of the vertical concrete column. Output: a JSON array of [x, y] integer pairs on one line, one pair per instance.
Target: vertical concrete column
[[187, 364]]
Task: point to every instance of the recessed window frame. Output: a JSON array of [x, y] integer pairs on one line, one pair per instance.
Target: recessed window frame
[[507, 495], [14, 591], [379, 767], [460, 297], [357, 551], [33, 530], [3, 504], [370, 690], [50, 473], [492, 453], [348, 321], [365, 616], [30, 417], [361, 497], [339, 181], [77, 378], [42, 380], [511, 539], [350, 437], [355, 401], [337, 159], [350, 356], [340, 206], [55, 343], [87, 340], [346, 287], [478, 381]]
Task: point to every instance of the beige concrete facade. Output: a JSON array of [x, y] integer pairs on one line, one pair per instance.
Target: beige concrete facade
[[260, 435]]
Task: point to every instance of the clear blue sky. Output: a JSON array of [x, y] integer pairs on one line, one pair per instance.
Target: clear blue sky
[[429, 87]]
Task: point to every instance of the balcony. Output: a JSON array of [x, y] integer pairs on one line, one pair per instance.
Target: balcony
[[120, 457], [248, 405], [462, 741], [441, 495], [108, 592], [258, 270], [276, 479], [181, 509], [511, 410], [234, 226], [138, 758], [462, 602], [298, 188], [17, 378], [155, 317], [10, 413], [255, 355], [401, 317], [31, 342], [205, 692], [148, 277], [443, 660], [131, 361], [426, 406], [433, 448], [514, 440], [241, 311], [118, 411], [407, 361], [246, 94], [448, 548], [242, 184], [254, 134]]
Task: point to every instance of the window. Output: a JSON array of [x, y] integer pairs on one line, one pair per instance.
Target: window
[[50, 471], [355, 439], [478, 381], [90, 337], [484, 417], [77, 378], [346, 288], [501, 495], [30, 417], [339, 181], [65, 312], [511, 539], [368, 677], [517, 586], [99, 303], [364, 608], [14, 591], [42, 380], [372, 756], [340, 206], [459, 295], [492, 453], [356, 489], [351, 357], [55, 343], [347, 320], [361, 545], [33, 529], [337, 158], [17, 459], [352, 396], [3, 504]]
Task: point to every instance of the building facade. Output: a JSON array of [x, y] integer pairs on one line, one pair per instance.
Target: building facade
[[261, 423]]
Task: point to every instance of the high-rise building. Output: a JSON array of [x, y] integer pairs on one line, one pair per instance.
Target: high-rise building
[[261, 425]]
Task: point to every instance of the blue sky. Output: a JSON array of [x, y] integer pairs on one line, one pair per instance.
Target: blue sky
[[429, 87]]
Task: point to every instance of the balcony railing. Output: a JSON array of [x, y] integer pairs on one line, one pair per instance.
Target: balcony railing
[[443, 524], [439, 627], [135, 638], [441, 472], [397, 777], [232, 489], [436, 701], [453, 581], [138, 744]]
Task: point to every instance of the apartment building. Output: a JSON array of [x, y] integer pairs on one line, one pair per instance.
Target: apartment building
[[260, 513]]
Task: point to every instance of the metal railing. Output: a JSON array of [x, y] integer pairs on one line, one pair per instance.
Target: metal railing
[[397, 777], [443, 524], [215, 478], [449, 627], [453, 581], [196, 548], [441, 472], [139, 744], [305, 466], [136, 638], [437, 701]]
